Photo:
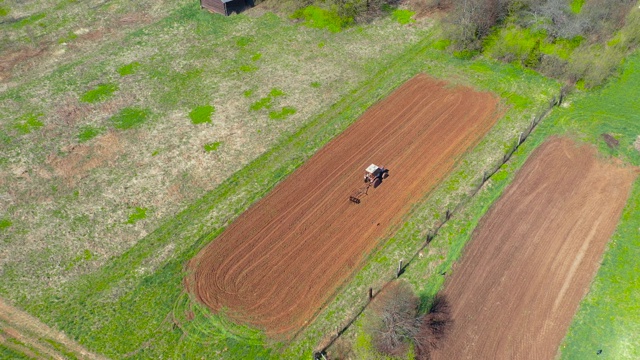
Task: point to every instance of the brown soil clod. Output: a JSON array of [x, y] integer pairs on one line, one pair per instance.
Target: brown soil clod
[[534, 254], [281, 260]]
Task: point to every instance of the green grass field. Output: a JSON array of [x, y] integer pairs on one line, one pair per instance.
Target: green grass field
[[135, 304], [609, 317], [125, 297]]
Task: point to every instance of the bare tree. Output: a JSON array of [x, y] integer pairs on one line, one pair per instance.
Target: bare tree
[[393, 322]]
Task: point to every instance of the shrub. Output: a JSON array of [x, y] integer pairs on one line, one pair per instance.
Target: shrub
[[128, 69], [201, 114], [138, 214], [28, 123], [212, 146], [317, 17], [282, 114], [87, 133], [129, 118], [392, 322], [403, 16], [100, 93]]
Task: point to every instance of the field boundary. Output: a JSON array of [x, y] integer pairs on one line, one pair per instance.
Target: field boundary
[[320, 354]]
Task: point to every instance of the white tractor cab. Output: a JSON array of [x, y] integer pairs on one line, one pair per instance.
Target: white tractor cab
[[375, 173]]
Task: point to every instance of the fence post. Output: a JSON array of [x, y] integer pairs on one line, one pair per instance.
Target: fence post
[[484, 177], [447, 215], [399, 269], [370, 294], [520, 138]]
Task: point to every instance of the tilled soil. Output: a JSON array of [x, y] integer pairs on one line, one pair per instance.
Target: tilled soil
[[281, 260], [534, 255]]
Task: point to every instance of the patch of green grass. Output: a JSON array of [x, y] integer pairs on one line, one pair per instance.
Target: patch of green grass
[[514, 43], [138, 214], [316, 84], [609, 317], [68, 38], [129, 118], [86, 255], [129, 69], [576, 6], [29, 20], [256, 57], [248, 93], [212, 146], [243, 41], [28, 122], [403, 16], [317, 17], [201, 114], [8, 353], [5, 224], [88, 132], [99, 93], [282, 114], [248, 68], [267, 101], [4, 10]]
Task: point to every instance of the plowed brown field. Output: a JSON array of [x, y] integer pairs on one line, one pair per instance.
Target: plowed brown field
[[532, 258], [281, 260]]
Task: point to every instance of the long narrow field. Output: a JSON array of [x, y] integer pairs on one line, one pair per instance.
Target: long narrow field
[[283, 259], [532, 258]]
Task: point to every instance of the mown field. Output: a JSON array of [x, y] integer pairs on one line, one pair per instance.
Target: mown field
[[130, 155]]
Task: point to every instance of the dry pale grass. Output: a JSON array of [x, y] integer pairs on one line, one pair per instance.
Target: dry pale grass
[[66, 198]]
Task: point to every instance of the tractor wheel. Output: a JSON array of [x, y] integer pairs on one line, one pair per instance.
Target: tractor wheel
[[385, 174]]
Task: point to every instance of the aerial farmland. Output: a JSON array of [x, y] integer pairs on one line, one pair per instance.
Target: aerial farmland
[[319, 180]]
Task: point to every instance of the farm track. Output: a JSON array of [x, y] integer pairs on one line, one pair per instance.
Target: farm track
[[25, 334], [533, 256], [281, 260]]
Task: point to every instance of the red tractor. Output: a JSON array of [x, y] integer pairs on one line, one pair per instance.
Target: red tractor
[[373, 176]]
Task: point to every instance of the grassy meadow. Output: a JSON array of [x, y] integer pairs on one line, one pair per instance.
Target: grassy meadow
[[123, 154]]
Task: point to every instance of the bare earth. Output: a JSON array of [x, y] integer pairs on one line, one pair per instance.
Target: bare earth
[[281, 260], [534, 255]]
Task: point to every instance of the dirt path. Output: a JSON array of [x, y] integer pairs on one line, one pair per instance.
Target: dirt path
[[281, 260], [534, 255], [25, 334]]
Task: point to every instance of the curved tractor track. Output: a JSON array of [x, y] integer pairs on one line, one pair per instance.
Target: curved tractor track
[[281, 260], [534, 255]]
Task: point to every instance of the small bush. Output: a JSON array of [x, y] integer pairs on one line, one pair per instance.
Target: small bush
[[201, 114], [129, 69], [27, 123], [316, 17], [392, 322], [212, 146], [100, 93], [403, 16], [129, 118], [138, 214], [4, 10], [243, 41], [5, 224], [88, 132], [267, 101], [282, 114]]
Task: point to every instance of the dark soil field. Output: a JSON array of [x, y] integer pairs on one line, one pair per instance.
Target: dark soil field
[[534, 255], [285, 257]]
